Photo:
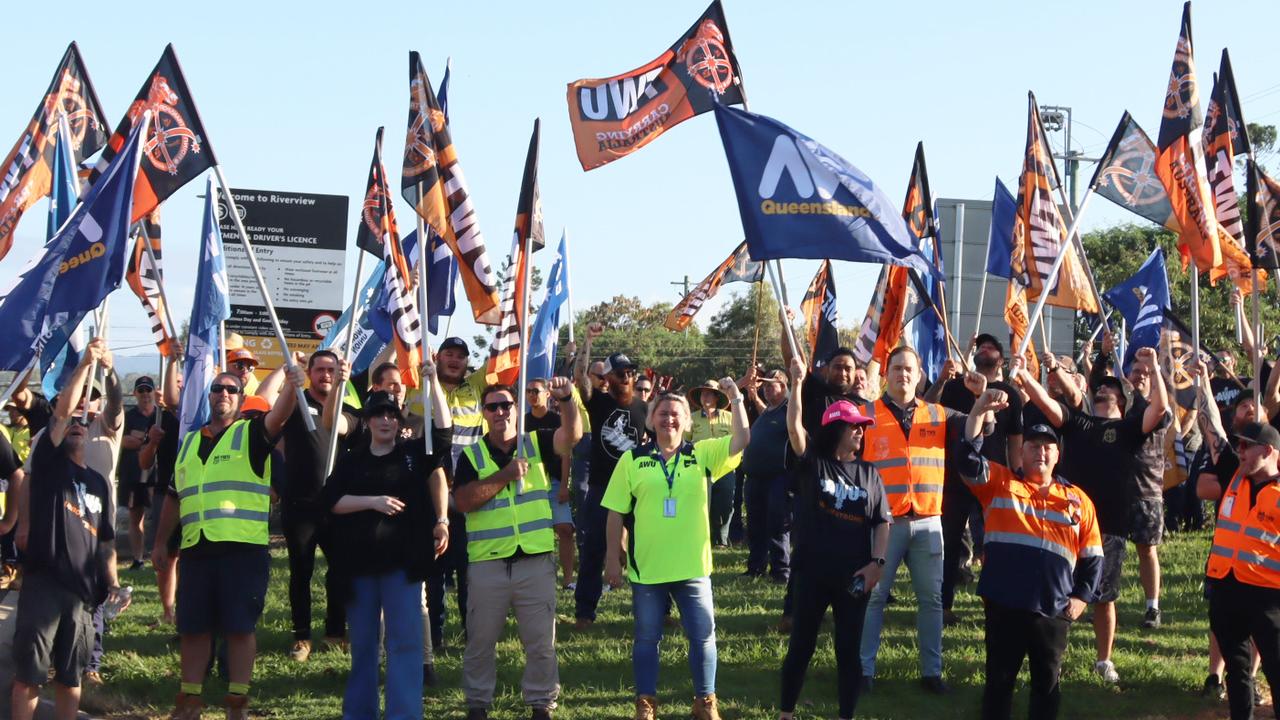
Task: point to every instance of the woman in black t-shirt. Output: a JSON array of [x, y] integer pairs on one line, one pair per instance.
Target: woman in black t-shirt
[[841, 531]]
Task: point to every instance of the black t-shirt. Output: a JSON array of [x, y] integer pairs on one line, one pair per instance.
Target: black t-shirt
[[1149, 462], [128, 472], [373, 543], [167, 453], [466, 473], [614, 430], [816, 395], [1100, 459], [838, 505], [70, 522], [305, 456], [550, 421], [766, 454], [38, 415], [995, 447]]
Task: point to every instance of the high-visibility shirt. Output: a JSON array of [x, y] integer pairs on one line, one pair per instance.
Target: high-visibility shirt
[[518, 518], [221, 498], [19, 437], [464, 407], [1246, 535], [1042, 546], [913, 465]]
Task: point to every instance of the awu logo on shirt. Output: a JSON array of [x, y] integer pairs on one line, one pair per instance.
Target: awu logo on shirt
[[840, 492]]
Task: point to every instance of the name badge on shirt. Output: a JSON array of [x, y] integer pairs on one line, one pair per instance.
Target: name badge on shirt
[[669, 507], [1227, 505]]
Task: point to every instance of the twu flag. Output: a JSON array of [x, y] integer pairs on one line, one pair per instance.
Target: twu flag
[[542, 337], [76, 269], [800, 200], [1143, 300], [210, 307]]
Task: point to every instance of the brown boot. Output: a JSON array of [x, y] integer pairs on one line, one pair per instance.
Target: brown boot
[[646, 707], [237, 706], [705, 708], [187, 707]]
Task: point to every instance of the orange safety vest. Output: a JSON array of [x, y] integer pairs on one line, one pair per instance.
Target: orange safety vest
[[912, 467], [1245, 538]]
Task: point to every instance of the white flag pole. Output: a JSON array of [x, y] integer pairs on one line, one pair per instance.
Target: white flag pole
[[568, 286], [780, 293], [522, 401], [424, 312], [332, 452], [167, 318]]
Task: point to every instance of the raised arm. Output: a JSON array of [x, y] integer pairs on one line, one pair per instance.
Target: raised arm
[[950, 369], [795, 411], [71, 395], [173, 383], [286, 401], [1035, 391], [269, 388], [333, 401], [738, 412], [583, 362], [1159, 406], [440, 415], [570, 430], [1052, 368]]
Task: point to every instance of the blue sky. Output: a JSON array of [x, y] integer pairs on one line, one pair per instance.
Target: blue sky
[[291, 94]]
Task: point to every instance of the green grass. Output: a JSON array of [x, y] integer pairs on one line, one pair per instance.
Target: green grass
[[1161, 670]]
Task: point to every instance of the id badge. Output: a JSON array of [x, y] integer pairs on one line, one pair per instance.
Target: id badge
[[1227, 506], [669, 507]]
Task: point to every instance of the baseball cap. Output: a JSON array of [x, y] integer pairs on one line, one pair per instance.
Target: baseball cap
[[455, 342], [144, 382], [844, 411], [1259, 434], [1040, 430], [774, 375], [618, 362], [988, 339], [380, 401], [254, 403], [241, 355]]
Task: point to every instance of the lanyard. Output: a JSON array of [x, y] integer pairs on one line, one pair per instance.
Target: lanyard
[[670, 475]]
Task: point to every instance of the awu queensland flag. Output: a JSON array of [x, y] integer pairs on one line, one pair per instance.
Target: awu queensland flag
[[1143, 300], [800, 200]]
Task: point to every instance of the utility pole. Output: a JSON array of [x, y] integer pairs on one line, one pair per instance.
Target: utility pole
[[685, 285]]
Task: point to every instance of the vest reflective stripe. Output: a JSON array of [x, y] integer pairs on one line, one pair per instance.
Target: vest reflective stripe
[[222, 499], [510, 521], [912, 467], [1244, 540], [1010, 503], [1030, 541]]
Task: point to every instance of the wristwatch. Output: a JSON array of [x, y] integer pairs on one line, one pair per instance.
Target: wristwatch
[[443, 521], [879, 561]]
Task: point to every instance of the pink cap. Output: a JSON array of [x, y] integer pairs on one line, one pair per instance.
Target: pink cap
[[844, 411]]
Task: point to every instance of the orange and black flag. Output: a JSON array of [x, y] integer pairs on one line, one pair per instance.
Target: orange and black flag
[[27, 172], [616, 116], [882, 327], [1180, 159], [1262, 231], [433, 183], [144, 278], [1225, 137], [1039, 233], [738, 267], [820, 316], [402, 302], [1126, 175], [508, 344]]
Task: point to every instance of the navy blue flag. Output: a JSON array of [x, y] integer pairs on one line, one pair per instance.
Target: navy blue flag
[[545, 331], [1143, 300], [800, 200], [928, 332], [61, 352], [442, 277], [76, 269], [442, 93], [1004, 207]]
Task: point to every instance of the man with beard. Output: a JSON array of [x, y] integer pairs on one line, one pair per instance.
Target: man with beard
[[835, 377], [617, 419]]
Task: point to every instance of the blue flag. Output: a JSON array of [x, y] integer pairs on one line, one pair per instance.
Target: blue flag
[[543, 335], [928, 333], [1004, 208], [1143, 300], [442, 93], [210, 307], [800, 200], [76, 269], [61, 353], [366, 344], [442, 276]]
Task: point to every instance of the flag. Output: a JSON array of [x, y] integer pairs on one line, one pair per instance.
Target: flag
[[824, 207], [1000, 245], [1262, 231], [64, 192], [1177, 362], [616, 116], [738, 267], [61, 353], [505, 353], [431, 166], [443, 94], [924, 293], [366, 345], [28, 169], [542, 338], [210, 307], [1180, 159], [177, 150], [401, 300], [820, 316], [881, 329], [1143, 300], [1039, 233], [1224, 138], [442, 277], [1018, 318], [145, 278], [1126, 175], [75, 270]]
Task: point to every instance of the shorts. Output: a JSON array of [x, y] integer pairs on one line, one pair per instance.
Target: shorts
[[222, 592], [561, 512], [1146, 521], [54, 628], [133, 494], [1113, 552]]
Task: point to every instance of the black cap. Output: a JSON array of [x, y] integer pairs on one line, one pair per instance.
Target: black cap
[[1040, 430], [455, 342], [618, 362], [380, 401], [988, 339], [1259, 434], [144, 382]]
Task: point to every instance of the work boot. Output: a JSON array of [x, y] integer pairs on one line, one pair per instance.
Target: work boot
[[646, 707], [706, 708], [237, 706], [187, 707], [301, 650], [331, 642], [540, 714], [477, 713]]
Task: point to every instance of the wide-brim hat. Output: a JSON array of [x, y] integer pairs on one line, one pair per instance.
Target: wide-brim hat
[[695, 395]]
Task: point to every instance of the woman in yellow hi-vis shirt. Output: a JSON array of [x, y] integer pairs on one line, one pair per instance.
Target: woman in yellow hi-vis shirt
[[659, 492]]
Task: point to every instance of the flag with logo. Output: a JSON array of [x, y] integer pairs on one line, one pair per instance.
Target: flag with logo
[[820, 316], [881, 328], [28, 169], [144, 278], [433, 183], [1143, 300], [75, 270], [177, 149], [506, 352], [1225, 137], [402, 300], [1262, 231], [924, 293], [615, 116], [442, 277], [210, 307], [61, 353], [800, 200], [1004, 208], [1126, 175], [1180, 159], [738, 267], [546, 327], [1039, 233], [366, 344]]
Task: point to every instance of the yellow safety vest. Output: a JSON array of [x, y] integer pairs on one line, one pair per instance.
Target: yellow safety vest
[[511, 520], [222, 498]]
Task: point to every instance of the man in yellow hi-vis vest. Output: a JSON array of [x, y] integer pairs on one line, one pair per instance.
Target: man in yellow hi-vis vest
[[503, 487], [221, 494]]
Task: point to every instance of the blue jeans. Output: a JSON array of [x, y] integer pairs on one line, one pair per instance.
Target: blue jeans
[[919, 542], [397, 603], [592, 519], [649, 604]]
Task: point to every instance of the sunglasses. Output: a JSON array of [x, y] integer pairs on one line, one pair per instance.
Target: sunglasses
[[534, 391], [242, 364], [228, 389], [494, 407], [629, 372], [144, 390], [643, 388]]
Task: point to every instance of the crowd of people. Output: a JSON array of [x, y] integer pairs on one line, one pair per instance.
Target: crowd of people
[[1038, 485]]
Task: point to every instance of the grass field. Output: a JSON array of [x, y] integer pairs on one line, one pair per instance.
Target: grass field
[[1160, 670]]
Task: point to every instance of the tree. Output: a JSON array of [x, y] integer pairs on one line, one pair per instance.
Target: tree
[[482, 341], [732, 332]]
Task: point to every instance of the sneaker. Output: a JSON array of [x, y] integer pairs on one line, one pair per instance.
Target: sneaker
[[646, 708], [237, 706], [1107, 671], [1152, 619], [706, 708], [137, 565], [187, 707], [1214, 688], [92, 678], [935, 685], [429, 678], [583, 624], [571, 586], [301, 650]]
